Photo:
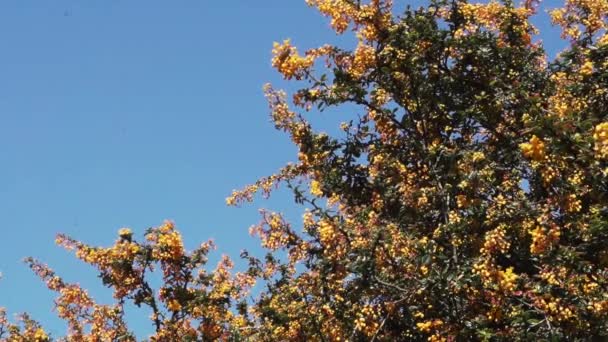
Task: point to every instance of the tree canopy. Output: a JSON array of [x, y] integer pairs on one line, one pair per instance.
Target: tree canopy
[[465, 198]]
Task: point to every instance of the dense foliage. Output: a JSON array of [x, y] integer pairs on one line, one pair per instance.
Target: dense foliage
[[465, 199]]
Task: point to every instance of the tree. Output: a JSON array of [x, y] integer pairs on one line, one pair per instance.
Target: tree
[[190, 305], [466, 199]]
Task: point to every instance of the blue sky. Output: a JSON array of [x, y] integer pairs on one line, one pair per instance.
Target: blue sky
[[126, 113]]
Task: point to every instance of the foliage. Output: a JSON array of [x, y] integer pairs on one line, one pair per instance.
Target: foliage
[[191, 305], [466, 199]]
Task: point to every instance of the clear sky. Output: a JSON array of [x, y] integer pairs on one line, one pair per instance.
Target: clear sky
[[121, 113]]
